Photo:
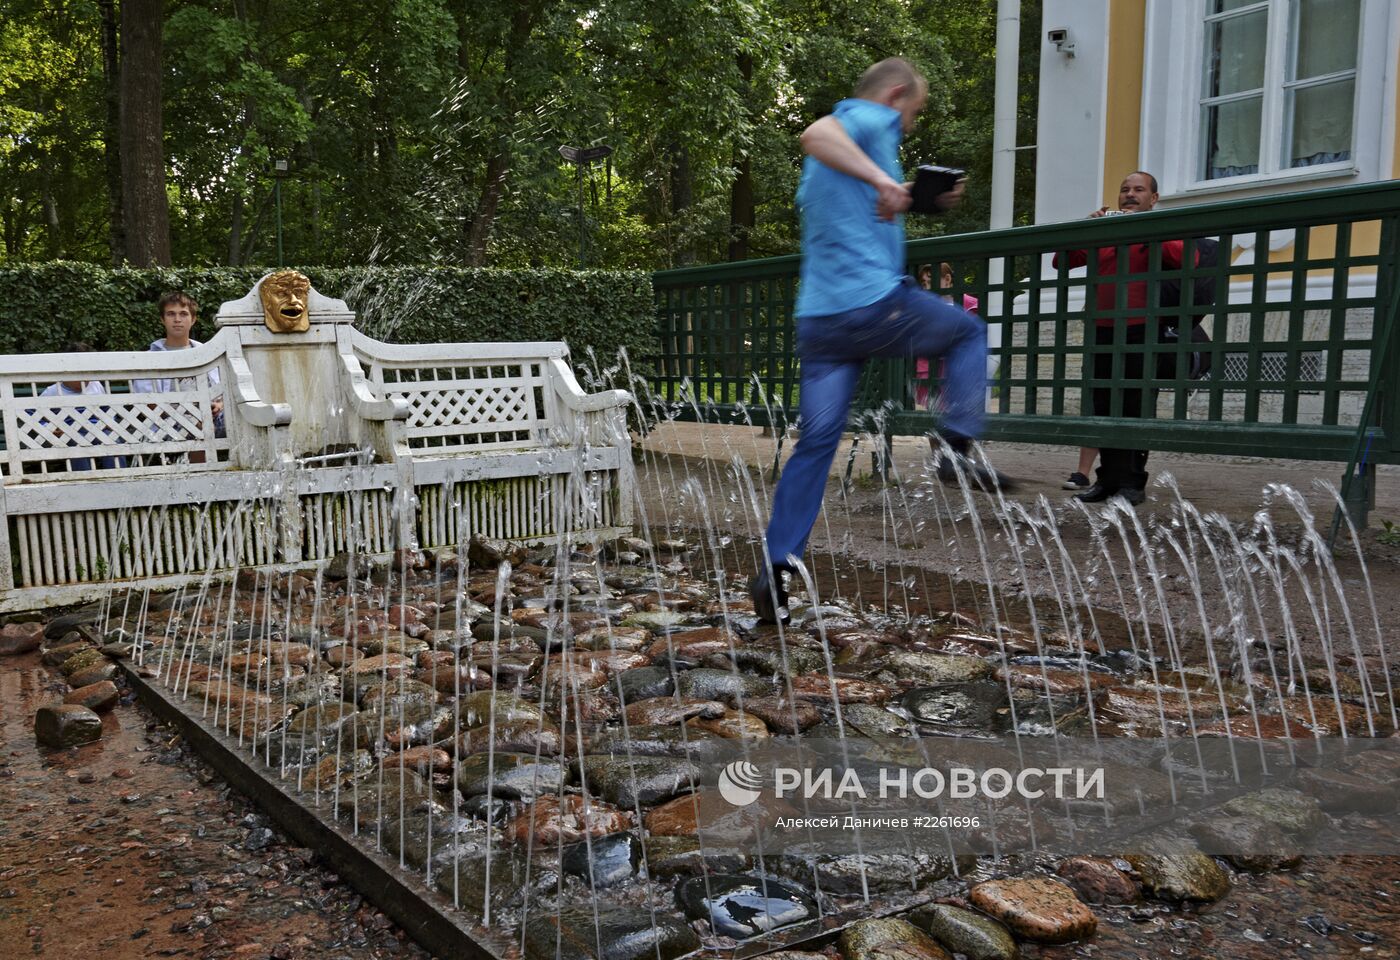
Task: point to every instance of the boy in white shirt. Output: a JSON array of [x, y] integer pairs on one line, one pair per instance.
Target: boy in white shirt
[[179, 313]]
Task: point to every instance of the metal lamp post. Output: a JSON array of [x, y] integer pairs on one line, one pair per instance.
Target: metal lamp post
[[581, 157]]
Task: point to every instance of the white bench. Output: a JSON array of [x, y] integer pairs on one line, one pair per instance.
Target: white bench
[[447, 441]]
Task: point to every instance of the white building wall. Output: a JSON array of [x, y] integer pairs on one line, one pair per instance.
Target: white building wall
[[1073, 101]]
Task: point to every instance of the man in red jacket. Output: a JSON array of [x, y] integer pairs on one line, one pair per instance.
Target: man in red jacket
[[1123, 472]]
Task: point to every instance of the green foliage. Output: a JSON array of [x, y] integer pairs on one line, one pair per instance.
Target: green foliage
[[1390, 534], [44, 307], [427, 131]]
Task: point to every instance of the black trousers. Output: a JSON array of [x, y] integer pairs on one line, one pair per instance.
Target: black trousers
[[1119, 468]]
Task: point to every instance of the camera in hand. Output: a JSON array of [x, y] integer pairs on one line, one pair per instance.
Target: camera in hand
[[932, 182]]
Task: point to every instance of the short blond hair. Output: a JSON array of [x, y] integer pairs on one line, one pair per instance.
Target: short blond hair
[[890, 72]]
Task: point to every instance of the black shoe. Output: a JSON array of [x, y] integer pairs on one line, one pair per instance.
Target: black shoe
[[1098, 493], [1076, 481], [766, 587], [1134, 495]]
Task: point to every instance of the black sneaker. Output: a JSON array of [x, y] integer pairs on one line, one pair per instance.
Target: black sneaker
[[769, 596], [1076, 481]]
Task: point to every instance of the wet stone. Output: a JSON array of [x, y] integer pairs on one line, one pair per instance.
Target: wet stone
[[732, 725], [421, 760], [405, 793], [875, 722], [1097, 880], [847, 689], [394, 643], [66, 725], [849, 874], [82, 660], [1341, 792], [888, 938], [643, 683], [325, 717], [657, 621], [614, 638], [784, 716], [643, 740], [743, 907], [55, 655], [933, 668], [392, 694], [603, 862], [1289, 810], [343, 770], [770, 661], [731, 687], [98, 697], [483, 807], [968, 706], [515, 776], [666, 711], [513, 736], [85, 616], [684, 856], [1255, 846], [567, 819], [1183, 875], [477, 709], [624, 933], [312, 689], [18, 638], [629, 781], [1035, 908], [1055, 682], [967, 933]]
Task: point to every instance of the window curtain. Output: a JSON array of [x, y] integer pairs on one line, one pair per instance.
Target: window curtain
[[1327, 34], [1238, 47]]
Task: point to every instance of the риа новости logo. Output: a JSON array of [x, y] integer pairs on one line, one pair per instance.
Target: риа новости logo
[[740, 783]]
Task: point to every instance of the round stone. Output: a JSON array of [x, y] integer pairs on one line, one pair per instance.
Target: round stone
[[743, 907]]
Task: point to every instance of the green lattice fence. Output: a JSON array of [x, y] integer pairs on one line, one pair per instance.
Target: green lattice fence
[[1301, 352]]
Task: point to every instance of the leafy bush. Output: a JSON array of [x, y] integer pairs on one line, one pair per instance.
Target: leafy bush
[[44, 306]]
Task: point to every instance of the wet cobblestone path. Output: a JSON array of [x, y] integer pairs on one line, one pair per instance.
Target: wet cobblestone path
[[130, 847]]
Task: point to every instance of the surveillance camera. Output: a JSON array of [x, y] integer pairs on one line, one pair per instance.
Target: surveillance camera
[[1061, 39]]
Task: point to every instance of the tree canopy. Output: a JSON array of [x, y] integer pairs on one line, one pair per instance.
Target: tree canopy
[[428, 131]]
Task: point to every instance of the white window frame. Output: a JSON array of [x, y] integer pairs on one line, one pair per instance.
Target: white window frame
[[1173, 75]]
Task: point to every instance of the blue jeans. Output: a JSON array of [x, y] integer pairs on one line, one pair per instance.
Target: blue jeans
[[833, 350]]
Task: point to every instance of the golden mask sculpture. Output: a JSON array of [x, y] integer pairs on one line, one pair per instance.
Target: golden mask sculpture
[[284, 296]]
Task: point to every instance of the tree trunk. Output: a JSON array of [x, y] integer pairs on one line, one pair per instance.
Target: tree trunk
[[111, 131], [741, 213], [235, 231], [497, 171], [522, 25], [146, 213], [682, 195]]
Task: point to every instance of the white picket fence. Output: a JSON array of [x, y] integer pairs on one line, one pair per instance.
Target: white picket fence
[[429, 445]]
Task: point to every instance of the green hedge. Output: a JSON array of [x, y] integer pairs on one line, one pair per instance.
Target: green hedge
[[44, 306]]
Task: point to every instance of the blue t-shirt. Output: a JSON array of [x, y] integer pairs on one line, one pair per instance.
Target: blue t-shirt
[[850, 258]]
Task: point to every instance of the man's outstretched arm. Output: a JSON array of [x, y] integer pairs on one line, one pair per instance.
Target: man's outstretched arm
[[827, 141]]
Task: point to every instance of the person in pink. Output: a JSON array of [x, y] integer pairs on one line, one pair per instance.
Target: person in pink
[[969, 303]]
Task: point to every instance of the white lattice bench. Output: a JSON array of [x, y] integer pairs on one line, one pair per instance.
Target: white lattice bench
[[444, 441]]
